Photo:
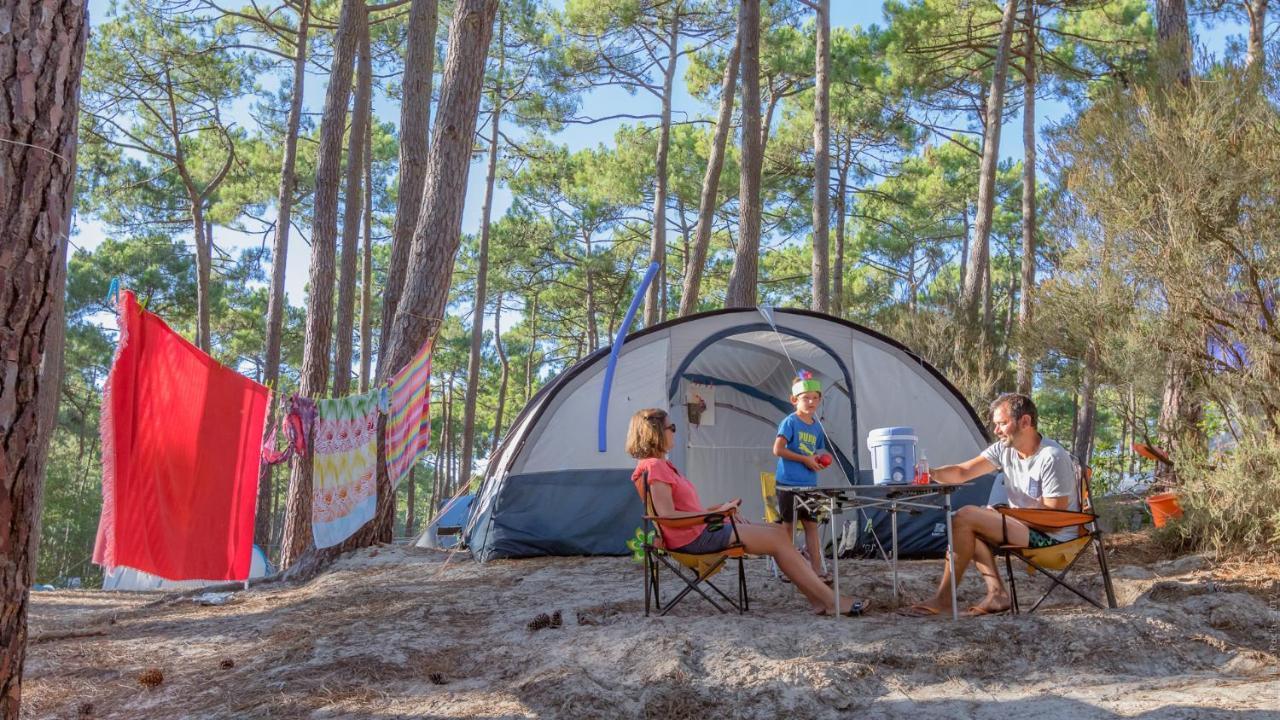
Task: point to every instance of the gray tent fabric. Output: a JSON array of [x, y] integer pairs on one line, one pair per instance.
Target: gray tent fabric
[[549, 490]]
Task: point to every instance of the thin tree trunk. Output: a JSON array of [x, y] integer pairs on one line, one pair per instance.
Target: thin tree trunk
[[352, 213], [532, 319], [204, 261], [744, 275], [1028, 201], [482, 270], [41, 56], [435, 240], [506, 374], [822, 160], [279, 255], [1256, 57], [409, 500], [314, 378], [366, 268], [837, 279], [653, 303], [415, 127], [1082, 444], [979, 252], [708, 199], [593, 330]]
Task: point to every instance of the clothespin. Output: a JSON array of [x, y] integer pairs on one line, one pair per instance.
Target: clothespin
[[113, 294]]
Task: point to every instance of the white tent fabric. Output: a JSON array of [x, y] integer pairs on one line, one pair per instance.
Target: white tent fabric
[[128, 579], [532, 501]]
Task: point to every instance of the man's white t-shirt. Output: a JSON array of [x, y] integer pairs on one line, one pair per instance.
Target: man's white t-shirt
[[1048, 472]]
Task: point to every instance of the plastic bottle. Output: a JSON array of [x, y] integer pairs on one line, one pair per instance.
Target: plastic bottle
[[922, 470]]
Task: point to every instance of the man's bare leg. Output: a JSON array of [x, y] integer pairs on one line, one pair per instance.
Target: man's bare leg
[[970, 525], [997, 598]]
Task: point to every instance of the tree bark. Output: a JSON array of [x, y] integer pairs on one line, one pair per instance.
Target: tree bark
[[506, 374], [41, 57], [314, 378], [743, 277], [980, 255], [482, 271], [409, 499], [708, 199], [204, 261], [822, 160], [435, 240], [654, 307], [366, 267], [1255, 56], [352, 212], [1173, 40], [1082, 444], [837, 280], [279, 255], [1024, 378], [415, 127]]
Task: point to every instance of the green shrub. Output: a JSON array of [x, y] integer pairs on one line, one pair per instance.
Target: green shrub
[[1231, 500]]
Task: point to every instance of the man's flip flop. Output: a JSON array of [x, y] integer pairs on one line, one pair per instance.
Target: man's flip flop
[[918, 611], [979, 611]]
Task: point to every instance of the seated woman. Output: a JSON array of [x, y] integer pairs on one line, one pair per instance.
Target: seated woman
[[650, 437]]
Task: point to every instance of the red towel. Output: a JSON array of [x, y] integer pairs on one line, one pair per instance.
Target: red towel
[[181, 436]]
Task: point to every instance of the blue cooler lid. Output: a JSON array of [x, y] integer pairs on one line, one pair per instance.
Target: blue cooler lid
[[880, 436]]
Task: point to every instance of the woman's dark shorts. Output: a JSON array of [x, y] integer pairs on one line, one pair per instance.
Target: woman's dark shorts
[[710, 541]]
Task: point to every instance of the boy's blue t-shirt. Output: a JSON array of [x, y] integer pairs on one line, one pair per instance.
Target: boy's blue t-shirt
[[802, 438]]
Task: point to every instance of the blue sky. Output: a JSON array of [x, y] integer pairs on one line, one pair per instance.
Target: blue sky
[[844, 13]]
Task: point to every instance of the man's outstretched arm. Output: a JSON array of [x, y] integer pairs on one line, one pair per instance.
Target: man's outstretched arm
[[962, 472]]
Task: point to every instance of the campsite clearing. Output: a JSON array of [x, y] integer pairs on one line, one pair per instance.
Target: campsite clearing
[[400, 632]]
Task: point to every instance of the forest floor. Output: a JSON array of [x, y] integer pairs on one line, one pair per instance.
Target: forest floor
[[397, 632]]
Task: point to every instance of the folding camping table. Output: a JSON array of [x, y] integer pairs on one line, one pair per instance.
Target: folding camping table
[[892, 498]]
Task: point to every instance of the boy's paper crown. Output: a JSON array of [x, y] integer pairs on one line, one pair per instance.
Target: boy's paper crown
[[805, 382]]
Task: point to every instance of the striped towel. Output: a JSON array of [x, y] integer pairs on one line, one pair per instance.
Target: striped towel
[[408, 419], [344, 456]]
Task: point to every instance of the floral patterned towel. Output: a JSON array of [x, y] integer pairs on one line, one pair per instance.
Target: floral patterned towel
[[344, 456]]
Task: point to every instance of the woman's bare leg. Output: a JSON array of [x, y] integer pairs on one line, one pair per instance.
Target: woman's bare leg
[[770, 540]]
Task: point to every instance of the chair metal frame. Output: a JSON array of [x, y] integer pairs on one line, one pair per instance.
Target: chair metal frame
[[1091, 535], [695, 569]]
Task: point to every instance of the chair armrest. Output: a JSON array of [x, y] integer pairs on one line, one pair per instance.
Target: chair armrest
[[1046, 517], [692, 519]]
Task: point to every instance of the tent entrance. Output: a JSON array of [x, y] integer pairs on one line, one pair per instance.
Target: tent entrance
[[728, 395]]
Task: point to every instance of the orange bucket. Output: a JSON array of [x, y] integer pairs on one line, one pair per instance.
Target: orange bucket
[[1164, 507]]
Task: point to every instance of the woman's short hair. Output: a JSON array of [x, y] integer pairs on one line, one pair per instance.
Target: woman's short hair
[[646, 438]]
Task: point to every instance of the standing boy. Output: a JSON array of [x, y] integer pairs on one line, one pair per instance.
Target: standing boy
[[800, 439]]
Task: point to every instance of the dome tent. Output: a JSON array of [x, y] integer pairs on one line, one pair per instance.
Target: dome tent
[[560, 481]]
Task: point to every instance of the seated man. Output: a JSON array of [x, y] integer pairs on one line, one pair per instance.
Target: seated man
[[1038, 473]]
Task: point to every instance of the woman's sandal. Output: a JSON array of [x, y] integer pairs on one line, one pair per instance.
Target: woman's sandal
[[855, 610]]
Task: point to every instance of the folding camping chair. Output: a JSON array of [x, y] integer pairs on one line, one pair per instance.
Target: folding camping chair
[[1057, 560], [695, 569]]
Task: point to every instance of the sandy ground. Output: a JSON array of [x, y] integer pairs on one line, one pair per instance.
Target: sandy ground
[[402, 633]]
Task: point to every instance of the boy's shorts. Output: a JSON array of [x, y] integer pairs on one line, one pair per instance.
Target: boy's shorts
[[787, 504]]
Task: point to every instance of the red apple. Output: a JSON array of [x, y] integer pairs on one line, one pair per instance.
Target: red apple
[[824, 460]]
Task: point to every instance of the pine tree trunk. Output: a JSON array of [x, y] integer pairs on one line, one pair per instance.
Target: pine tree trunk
[[593, 330], [41, 56], [743, 277], [1255, 57], [837, 280], [366, 267], [1028, 202], [708, 199], [314, 380], [1082, 444], [653, 303], [409, 499], [435, 240], [822, 161], [532, 319], [279, 255], [506, 374], [1173, 38], [415, 129], [352, 213], [204, 262], [482, 272], [979, 252]]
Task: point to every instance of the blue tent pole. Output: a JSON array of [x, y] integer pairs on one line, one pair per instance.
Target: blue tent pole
[[602, 435]]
